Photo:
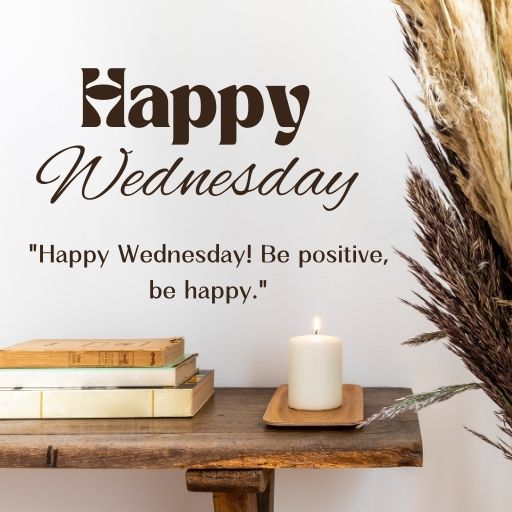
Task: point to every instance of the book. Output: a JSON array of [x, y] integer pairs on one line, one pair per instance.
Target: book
[[160, 402], [172, 374], [50, 353]]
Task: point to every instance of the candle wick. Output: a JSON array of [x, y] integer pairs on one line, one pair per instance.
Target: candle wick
[[316, 331]]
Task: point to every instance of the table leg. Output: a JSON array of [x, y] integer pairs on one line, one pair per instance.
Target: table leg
[[244, 490]]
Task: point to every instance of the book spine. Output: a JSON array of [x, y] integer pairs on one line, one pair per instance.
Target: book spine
[[83, 359], [98, 377], [105, 403]]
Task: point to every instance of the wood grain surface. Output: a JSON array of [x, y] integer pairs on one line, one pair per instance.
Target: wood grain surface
[[221, 480], [244, 490], [228, 433], [278, 414]]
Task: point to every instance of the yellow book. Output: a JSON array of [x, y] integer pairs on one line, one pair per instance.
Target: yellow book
[[164, 402], [99, 353]]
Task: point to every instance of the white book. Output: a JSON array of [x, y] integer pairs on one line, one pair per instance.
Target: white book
[[173, 374], [182, 401]]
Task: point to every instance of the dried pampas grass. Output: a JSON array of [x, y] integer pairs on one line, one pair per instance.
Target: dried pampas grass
[[461, 51], [459, 59]]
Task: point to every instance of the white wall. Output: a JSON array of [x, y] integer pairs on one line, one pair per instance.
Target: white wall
[[345, 52]]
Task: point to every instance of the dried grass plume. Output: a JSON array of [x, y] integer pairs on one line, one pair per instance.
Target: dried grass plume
[[461, 51]]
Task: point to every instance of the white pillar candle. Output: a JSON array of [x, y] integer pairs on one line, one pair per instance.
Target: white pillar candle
[[315, 372]]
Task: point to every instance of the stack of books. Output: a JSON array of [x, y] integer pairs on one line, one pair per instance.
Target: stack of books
[[141, 378]]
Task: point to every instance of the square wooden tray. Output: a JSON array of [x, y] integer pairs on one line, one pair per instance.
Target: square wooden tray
[[350, 414]]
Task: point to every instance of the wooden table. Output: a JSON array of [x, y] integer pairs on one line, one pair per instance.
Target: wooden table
[[225, 448]]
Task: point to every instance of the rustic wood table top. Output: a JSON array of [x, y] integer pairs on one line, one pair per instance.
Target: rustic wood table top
[[228, 433]]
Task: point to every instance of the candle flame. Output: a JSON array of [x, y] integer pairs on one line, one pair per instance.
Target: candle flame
[[316, 324]]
